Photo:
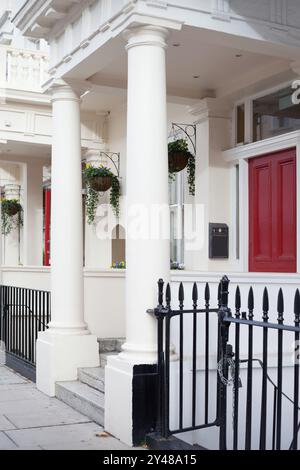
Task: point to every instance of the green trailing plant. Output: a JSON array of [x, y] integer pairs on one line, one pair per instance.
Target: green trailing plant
[[11, 215], [91, 203], [181, 145], [191, 166], [92, 195]]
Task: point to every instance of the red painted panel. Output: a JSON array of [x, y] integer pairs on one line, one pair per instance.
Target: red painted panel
[[272, 212]]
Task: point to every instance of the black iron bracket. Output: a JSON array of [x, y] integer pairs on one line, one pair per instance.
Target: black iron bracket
[[179, 130]]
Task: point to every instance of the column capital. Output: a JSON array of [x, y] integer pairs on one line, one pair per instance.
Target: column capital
[[210, 108], [146, 35], [66, 90]]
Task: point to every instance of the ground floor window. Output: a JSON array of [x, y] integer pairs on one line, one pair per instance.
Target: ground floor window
[[176, 187]]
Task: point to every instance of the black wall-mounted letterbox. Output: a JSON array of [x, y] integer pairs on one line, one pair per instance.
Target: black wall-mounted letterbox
[[218, 241]]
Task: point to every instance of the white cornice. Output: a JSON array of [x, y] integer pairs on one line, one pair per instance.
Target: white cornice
[[262, 147]]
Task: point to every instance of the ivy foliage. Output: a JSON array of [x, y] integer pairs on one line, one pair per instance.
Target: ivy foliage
[[181, 145], [11, 215], [92, 196]]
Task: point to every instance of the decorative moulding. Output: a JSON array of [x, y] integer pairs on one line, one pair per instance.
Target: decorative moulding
[[210, 108], [262, 147]]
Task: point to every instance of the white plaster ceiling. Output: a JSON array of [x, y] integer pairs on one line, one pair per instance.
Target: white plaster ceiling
[[194, 54], [11, 148]]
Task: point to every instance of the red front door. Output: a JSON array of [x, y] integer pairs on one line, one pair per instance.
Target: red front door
[[272, 212]]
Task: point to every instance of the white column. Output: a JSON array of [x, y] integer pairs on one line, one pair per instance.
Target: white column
[[147, 257], [147, 185], [67, 344]]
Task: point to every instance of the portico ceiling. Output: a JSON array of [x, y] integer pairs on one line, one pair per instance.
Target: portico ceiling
[[197, 67], [11, 149]]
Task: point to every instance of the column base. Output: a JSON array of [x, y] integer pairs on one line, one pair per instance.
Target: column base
[[130, 400], [60, 356]]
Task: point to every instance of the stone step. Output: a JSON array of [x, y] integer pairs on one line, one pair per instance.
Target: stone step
[[92, 376], [104, 356], [108, 345], [81, 397]]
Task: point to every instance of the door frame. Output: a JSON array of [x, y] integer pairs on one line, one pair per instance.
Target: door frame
[[240, 156]]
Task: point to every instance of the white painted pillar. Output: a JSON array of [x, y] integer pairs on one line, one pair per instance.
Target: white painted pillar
[[147, 257], [147, 185], [67, 344]]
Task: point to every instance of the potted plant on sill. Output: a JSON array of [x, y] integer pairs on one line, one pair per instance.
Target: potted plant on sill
[[180, 158], [11, 215], [119, 265], [99, 180]]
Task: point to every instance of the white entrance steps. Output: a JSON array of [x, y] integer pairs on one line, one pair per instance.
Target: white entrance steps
[[83, 398], [109, 347], [86, 394], [93, 377]]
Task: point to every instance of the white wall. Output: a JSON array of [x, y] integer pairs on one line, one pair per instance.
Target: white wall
[[11, 174], [33, 214], [104, 294], [98, 252]]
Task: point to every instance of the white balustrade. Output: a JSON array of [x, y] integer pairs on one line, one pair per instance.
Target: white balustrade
[[22, 69]]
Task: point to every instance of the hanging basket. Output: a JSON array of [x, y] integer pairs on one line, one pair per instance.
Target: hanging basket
[[100, 183], [178, 161], [11, 209]]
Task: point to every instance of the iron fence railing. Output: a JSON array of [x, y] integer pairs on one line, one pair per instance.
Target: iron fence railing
[[23, 313], [222, 364]]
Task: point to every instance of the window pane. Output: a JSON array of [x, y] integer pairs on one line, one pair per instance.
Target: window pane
[[176, 189], [275, 114], [240, 124]]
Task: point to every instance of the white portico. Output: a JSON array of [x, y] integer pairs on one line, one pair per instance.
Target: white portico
[[145, 64]]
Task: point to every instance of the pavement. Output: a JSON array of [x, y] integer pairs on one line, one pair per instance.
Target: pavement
[[30, 420]]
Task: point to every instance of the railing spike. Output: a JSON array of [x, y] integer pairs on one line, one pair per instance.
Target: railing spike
[[280, 305], [195, 293], [224, 291], [297, 305], [207, 293], [181, 293], [219, 294], [168, 294], [251, 299], [160, 291], [265, 304], [237, 298]]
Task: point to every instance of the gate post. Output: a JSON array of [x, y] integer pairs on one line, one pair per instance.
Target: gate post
[[160, 315], [224, 352]]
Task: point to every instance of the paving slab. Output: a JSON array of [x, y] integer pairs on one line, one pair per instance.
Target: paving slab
[[9, 377], [6, 443], [65, 437], [5, 424], [53, 417], [31, 420]]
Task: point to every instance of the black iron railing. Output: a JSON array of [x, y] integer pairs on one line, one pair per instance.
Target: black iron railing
[[23, 313], [242, 320], [165, 314], [226, 357]]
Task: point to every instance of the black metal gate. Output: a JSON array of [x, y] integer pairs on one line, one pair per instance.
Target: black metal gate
[[23, 313], [255, 422]]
